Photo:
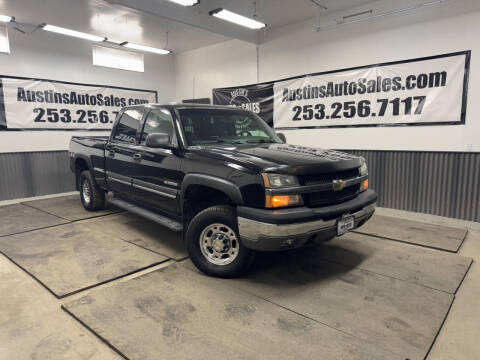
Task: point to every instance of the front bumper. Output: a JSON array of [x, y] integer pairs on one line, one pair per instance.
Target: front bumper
[[270, 230]]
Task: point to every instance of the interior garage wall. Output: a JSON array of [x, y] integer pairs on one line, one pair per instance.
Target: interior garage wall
[[439, 183], [225, 64], [34, 163], [28, 174], [441, 161]]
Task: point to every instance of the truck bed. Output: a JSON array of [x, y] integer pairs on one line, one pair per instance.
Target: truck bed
[[88, 152]]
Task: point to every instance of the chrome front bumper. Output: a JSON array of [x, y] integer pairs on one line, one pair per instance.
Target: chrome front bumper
[[265, 236]]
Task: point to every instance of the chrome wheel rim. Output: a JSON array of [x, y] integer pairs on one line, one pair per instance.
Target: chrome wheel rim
[[219, 244], [87, 196]]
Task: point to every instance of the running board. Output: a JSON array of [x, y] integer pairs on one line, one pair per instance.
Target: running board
[[162, 220]]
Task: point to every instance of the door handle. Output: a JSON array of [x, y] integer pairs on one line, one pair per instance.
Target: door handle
[[111, 153], [137, 157]]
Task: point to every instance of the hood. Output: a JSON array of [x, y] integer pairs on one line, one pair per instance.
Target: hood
[[282, 158]]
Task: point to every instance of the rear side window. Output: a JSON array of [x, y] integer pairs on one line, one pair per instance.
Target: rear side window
[[127, 126], [158, 121]]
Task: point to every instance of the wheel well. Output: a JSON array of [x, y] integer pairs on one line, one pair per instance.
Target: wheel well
[[80, 165], [200, 197]]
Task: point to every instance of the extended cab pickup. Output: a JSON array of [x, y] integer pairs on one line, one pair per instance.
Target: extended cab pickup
[[226, 178]]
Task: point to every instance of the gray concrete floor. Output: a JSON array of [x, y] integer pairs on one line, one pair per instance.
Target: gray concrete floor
[[33, 325], [458, 338]]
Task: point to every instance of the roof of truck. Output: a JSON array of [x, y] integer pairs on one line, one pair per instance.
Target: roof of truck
[[183, 106]]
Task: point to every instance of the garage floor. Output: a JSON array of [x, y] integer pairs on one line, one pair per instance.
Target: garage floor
[[117, 286]]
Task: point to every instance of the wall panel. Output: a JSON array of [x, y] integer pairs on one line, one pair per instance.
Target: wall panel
[[439, 183], [34, 173]]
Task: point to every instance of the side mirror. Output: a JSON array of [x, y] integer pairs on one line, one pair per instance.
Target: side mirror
[[158, 140], [282, 137]]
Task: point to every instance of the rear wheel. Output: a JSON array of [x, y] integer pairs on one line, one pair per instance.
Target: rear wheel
[[214, 245], [93, 198]]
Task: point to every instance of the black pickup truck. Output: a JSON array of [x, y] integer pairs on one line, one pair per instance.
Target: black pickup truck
[[226, 178]]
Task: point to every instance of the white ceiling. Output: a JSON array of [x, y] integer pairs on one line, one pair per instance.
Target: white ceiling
[[278, 13], [147, 21]]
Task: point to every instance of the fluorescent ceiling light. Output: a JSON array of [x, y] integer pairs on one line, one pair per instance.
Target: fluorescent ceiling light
[[388, 13], [77, 34], [4, 43], [117, 59], [237, 19], [6, 18], [145, 48], [185, 2]]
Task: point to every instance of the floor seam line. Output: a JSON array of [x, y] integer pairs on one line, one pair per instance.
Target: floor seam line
[[41, 228], [44, 211], [392, 277], [464, 276], [64, 296], [409, 243], [94, 332], [60, 297], [96, 217], [439, 329], [68, 222], [155, 252], [463, 240]]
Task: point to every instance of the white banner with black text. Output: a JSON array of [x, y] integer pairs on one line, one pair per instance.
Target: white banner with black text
[[34, 104], [427, 91]]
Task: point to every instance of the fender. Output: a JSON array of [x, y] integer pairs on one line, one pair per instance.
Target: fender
[[226, 186], [89, 164]]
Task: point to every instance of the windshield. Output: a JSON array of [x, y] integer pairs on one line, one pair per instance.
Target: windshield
[[211, 126]]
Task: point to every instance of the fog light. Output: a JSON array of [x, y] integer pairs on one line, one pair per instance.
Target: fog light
[[288, 242], [278, 201]]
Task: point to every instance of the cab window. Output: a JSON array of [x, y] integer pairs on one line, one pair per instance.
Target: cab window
[[158, 121], [127, 126]]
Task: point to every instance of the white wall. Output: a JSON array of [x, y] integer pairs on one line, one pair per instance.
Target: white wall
[[298, 49], [49, 56], [229, 63]]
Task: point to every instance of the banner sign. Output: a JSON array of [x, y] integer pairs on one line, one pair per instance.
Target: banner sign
[[423, 91], [32, 104], [257, 98]]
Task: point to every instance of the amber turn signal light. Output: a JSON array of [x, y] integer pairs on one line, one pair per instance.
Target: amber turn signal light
[[365, 184], [278, 201]]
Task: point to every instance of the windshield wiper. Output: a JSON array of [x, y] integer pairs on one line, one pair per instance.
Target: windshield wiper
[[261, 141], [219, 141]]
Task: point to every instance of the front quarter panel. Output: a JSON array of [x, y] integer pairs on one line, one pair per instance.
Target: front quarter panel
[[242, 185]]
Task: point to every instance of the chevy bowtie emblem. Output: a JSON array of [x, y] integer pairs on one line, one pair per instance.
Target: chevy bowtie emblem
[[339, 185]]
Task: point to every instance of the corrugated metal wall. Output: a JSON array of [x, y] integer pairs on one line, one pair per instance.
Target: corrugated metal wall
[[34, 173], [439, 183]]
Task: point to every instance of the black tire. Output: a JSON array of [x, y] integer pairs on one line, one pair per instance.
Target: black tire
[[96, 200], [213, 215]]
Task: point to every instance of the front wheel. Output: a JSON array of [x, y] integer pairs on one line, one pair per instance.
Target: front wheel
[[214, 245]]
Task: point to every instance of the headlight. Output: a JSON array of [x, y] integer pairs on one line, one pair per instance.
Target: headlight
[[279, 180], [363, 169]]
